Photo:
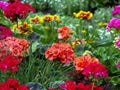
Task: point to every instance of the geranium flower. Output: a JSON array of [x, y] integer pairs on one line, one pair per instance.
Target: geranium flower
[[116, 10], [3, 5], [61, 51], [96, 70], [9, 63], [68, 85], [114, 22], [17, 10], [15, 46], [5, 32], [82, 62], [82, 86], [64, 32], [12, 84]]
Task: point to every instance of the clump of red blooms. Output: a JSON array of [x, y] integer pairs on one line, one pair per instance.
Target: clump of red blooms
[[96, 70], [61, 51], [9, 63], [14, 46], [12, 84], [5, 32], [64, 32], [71, 85], [17, 10], [90, 66]]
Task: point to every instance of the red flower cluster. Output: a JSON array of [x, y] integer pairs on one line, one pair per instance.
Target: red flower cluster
[[17, 10], [88, 66], [5, 32], [95, 69], [15, 46], [64, 33], [83, 61], [71, 85], [61, 51], [9, 63], [12, 84]]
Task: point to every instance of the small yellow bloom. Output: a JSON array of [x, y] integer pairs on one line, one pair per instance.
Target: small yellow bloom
[[83, 31], [56, 18], [46, 27]]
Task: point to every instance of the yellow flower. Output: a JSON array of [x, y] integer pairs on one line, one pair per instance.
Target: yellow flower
[[46, 27], [36, 19], [20, 28], [83, 15], [83, 31], [56, 18], [100, 24], [48, 18]]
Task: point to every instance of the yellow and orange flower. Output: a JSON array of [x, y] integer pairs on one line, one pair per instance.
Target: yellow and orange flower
[[78, 41], [20, 28], [81, 62], [35, 19], [83, 15]]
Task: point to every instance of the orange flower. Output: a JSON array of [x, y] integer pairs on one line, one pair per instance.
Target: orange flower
[[61, 51], [64, 33], [81, 62]]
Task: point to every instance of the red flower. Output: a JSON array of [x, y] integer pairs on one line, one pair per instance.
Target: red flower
[[9, 62], [17, 10], [12, 84], [69, 85], [64, 33], [95, 69], [5, 32], [61, 51]]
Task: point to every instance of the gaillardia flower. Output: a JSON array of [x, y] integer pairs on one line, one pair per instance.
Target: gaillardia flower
[[22, 28], [83, 15]]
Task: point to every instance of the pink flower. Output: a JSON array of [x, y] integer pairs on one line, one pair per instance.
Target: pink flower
[[118, 64], [116, 10], [117, 43], [3, 5], [114, 22]]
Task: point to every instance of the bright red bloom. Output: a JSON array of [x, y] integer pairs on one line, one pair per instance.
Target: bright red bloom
[[64, 33], [95, 69], [5, 32], [51, 89], [12, 84], [82, 86], [63, 52], [83, 61], [9, 62], [69, 85], [17, 10]]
